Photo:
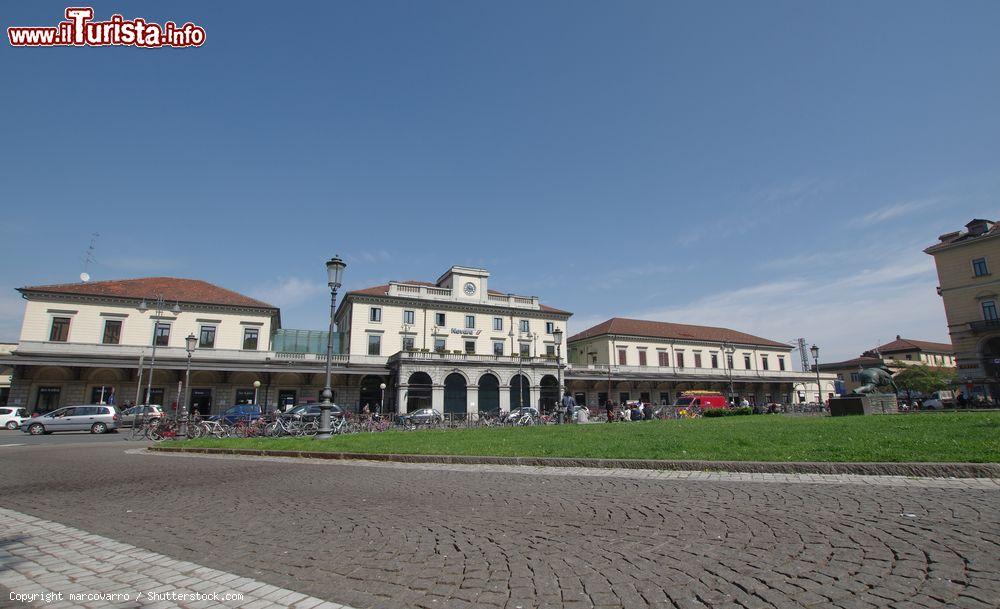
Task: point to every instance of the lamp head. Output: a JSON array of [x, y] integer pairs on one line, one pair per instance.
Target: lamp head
[[381, 386], [256, 384], [143, 306], [335, 271], [557, 334], [815, 351], [191, 342]]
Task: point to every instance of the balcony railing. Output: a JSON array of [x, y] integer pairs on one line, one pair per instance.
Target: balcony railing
[[984, 326], [451, 356]]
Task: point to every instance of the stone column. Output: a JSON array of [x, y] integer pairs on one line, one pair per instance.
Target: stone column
[[437, 397], [536, 395], [504, 398], [472, 397], [401, 399]]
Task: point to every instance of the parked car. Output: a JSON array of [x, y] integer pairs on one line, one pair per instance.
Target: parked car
[[311, 412], [95, 418], [242, 412], [424, 416], [11, 417], [939, 400], [128, 417]]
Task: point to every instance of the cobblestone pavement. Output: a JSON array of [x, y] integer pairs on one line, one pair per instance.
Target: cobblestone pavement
[[46, 564], [437, 536]]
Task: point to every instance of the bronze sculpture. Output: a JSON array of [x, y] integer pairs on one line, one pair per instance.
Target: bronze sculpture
[[873, 378]]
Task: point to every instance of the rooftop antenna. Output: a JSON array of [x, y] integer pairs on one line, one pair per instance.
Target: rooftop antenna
[[88, 257]]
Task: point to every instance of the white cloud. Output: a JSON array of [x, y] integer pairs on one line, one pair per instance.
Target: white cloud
[[843, 313], [288, 291], [896, 210]]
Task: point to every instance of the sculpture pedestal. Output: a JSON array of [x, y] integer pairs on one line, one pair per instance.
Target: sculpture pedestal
[[864, 404]]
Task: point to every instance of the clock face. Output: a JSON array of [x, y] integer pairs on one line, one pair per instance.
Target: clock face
[[470, 288]]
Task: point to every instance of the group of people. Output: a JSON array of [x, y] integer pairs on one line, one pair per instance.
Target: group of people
[[637, 411]]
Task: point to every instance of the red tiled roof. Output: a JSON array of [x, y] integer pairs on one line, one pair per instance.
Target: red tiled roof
[[908, 344], [660, 329], [383, 290], [173, 289]]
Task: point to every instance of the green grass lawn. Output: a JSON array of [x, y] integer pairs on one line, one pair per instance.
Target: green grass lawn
[[945, 437]]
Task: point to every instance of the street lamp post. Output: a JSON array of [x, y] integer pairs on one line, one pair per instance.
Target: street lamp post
[[143, 307], [730, 349], [381, 402], [558, 334], [190, 343], [335, 273], [814, 350], [256, 386]]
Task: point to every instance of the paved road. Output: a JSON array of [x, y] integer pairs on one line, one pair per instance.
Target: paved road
[[19, 438], [437, 538]]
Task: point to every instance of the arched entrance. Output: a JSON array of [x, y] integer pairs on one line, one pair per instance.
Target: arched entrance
[[549, 392], [371, 393], [520, 392], [418, 395], [454, 394], [489, 393]]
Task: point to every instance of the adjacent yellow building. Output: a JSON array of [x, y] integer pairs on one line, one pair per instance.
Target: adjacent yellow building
[[966, 265]]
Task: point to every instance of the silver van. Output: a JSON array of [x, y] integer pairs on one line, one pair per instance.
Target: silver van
[[92, 418]]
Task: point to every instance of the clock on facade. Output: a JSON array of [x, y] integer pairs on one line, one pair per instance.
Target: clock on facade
[[470, 288]]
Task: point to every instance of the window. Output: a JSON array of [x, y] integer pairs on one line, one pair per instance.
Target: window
[[498, 347], [989, 310], [470, 346], [746, 361], [622, 357], [525, 327], [729, 361], [161, 334], [763, 362], [207, 338], [697, 360], [642, 357], [549, 327], [112, 332], [664, 359], [470, 321], [439, 344], [909, 356], [375, 314], [550, 350], [409, 317], [855, 377], [374, 344], [60, 329], [979, 267], [680, 360], [407, 343], [439, 320], [498, 323], [715, 360], [250, 336], [525, 349], [781, 363]]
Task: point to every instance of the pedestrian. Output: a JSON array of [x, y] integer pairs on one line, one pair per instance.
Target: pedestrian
[[647, 412], [744, 403], [366, 412], [567, 404], [610, 407]]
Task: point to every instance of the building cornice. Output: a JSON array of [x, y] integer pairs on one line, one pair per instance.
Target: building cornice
[[448, 305], [58, 297], [678, 341]]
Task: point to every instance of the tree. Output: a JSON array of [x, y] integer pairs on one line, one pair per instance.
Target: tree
[[924, 379]]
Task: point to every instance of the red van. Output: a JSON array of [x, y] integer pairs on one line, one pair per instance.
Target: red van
[[702, 400]]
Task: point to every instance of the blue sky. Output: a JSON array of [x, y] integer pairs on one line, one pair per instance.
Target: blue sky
[[774, 167]]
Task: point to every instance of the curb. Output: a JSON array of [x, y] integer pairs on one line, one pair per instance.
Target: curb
[[922, 470]]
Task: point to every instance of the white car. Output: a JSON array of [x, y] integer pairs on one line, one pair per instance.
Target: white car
[[11, 417]]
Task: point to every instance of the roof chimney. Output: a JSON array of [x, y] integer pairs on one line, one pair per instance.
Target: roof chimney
[[979, 226]]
